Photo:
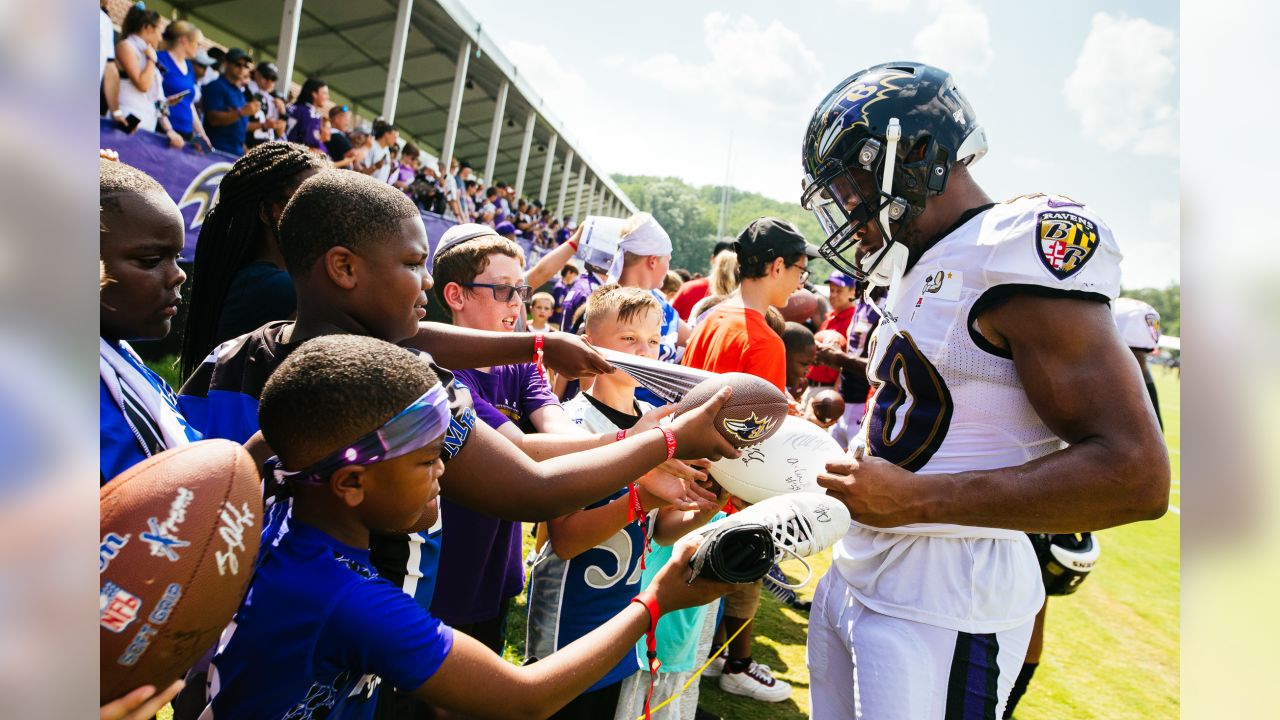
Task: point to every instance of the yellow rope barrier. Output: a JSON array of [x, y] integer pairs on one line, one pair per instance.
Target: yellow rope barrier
[[697, 673]]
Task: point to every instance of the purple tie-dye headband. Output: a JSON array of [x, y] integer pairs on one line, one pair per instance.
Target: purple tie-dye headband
[[424, 421]]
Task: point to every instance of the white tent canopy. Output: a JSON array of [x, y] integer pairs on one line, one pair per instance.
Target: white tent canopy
[[440, 48]]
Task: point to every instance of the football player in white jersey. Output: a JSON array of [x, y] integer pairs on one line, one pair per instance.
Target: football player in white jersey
[[1005, 403], [1139, 327]]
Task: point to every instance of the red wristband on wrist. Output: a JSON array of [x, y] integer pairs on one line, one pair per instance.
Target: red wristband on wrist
[[671, 442], [633, 502], [621, 435], [537, 354], [650, 604], [651, 643]]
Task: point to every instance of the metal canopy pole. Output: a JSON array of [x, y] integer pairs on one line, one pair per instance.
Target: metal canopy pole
[[577, 198], [288, 46], [455, 106], [591, 197], [529, 124], [546, 171], [491, 159], [564, 183], [396, 67]]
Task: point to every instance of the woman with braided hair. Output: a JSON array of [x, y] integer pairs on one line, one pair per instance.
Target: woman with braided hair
[[239, 282]]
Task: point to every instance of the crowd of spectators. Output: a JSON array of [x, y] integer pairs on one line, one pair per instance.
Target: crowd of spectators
[[162, 76]]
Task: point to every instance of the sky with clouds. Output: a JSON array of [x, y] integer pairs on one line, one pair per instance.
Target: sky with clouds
[[1077, 98]]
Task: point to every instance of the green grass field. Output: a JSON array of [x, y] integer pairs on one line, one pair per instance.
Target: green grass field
[[1111, 649]]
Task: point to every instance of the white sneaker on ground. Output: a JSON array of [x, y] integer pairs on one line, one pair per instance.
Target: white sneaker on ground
[[756, 682], [716, 668]]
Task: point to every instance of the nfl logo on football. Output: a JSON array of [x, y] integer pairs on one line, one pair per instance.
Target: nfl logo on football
[[117, 607]]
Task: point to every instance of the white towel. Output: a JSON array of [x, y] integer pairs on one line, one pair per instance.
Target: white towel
[[648, 239], [123, 379]]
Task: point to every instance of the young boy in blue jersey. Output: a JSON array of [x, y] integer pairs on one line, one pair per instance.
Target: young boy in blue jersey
[[591, 565], [359, 426], [140, 239]]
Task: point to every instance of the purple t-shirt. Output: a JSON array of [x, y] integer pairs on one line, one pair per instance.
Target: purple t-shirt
[[577, 295], [480, 562], [303, 126]]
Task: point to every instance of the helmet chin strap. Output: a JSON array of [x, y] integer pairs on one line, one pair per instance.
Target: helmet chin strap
[[887, 266]]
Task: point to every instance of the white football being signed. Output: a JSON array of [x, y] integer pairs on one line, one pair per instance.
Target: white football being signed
[[789, 461]]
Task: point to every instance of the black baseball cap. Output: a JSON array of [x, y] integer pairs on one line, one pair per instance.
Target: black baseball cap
[[722, 245], [235, 55], [268, 70], [769, 238]]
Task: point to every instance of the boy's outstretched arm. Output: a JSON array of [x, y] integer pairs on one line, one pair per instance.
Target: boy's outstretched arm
[[475, 681], [580, 531], [493, 476], [550, 264], [462, 348]]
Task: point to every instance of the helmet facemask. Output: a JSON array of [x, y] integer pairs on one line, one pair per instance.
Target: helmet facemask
[[846, 207]]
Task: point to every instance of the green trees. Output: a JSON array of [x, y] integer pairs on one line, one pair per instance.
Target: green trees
[[1166, 301], [692, 214]]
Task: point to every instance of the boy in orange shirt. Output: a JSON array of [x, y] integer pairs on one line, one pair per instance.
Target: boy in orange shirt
[[734, 337]]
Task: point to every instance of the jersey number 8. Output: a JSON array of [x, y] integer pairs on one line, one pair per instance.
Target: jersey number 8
[[911, 409]]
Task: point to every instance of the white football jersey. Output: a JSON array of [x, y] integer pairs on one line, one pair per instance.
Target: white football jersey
[[948, 401], [1138, 323]]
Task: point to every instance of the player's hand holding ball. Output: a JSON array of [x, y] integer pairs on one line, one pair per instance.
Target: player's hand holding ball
[[877, 492]]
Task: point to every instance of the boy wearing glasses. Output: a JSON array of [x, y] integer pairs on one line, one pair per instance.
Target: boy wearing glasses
[[480, 280], [772, 264]]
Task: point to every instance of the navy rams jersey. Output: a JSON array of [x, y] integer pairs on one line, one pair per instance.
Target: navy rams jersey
[[570, 598], [946, 400]]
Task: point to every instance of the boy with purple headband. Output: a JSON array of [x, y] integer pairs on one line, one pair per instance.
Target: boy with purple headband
[[359, 426]]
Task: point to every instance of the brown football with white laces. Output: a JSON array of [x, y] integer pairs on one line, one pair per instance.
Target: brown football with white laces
[[180, 537], [753, 413]]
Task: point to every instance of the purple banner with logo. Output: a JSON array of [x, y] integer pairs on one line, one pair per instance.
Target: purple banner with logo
[[189, 176]]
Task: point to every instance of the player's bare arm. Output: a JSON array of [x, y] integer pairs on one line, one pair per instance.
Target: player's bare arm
[[460, 348], [1081, 380], [492, 475], [475, 681]]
